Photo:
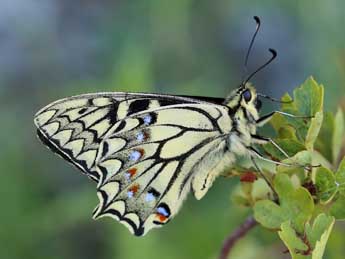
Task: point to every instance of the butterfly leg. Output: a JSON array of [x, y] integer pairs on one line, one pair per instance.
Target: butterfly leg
[[258, 169], [256, 153], [263, 140], [265, 118]]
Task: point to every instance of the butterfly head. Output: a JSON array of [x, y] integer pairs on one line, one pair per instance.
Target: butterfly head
[[244, 97]]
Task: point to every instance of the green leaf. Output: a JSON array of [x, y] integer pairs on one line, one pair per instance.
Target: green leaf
[[326, 184], [246, 194], [278, 119], [269, 214], [322, 144], [321, 160], [308, 98], [242, 195], [301, 158], [340, 177], [291, 240], [333, 128], [338, 208], [240, 200], [307, 101], [312, 243], [313, 131], [287, 132], [290, 146], [317, 235], [295, 204], [338, 135], [316, 140]]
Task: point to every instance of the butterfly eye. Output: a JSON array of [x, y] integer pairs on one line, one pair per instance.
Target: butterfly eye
[[247, 95]]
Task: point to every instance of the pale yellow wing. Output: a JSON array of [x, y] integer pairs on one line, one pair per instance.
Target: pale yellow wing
[[145, 151]]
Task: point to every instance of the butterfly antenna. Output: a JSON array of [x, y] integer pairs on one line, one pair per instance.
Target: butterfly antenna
[[258, 24], [273, 99], [274, 55]]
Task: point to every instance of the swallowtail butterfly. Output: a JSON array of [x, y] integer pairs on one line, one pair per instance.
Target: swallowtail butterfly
[[146, 152]]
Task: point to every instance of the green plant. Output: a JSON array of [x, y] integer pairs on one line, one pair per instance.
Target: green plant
[[311, 198]]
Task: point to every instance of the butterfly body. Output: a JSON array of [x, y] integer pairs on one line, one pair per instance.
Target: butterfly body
[[147, 151]]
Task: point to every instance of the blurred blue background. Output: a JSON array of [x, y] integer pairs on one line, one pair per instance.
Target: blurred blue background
[[53, 49]]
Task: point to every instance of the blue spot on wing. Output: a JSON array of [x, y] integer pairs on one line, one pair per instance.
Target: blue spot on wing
[[135, 155]]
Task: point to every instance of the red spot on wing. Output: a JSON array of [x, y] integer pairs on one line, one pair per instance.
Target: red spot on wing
[[146, 135], [248, 177], [134, 189], [161, 217], [132, 171]]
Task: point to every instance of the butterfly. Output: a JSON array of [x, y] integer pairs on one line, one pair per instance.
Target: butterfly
[[146, 152]]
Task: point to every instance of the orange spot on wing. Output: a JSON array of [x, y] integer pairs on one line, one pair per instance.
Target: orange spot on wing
[[132, 171], [134, 188], [146, 135], [161, 217], [141, 151]]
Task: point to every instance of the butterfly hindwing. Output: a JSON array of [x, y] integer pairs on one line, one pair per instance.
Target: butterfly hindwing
[[147, 164]]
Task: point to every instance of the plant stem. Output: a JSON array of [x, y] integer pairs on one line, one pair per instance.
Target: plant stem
[[230, 241]]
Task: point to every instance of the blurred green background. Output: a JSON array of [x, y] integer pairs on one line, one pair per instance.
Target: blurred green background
[[53, 49]]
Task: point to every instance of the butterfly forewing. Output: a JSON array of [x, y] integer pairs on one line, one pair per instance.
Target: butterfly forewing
[[74, 127]]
